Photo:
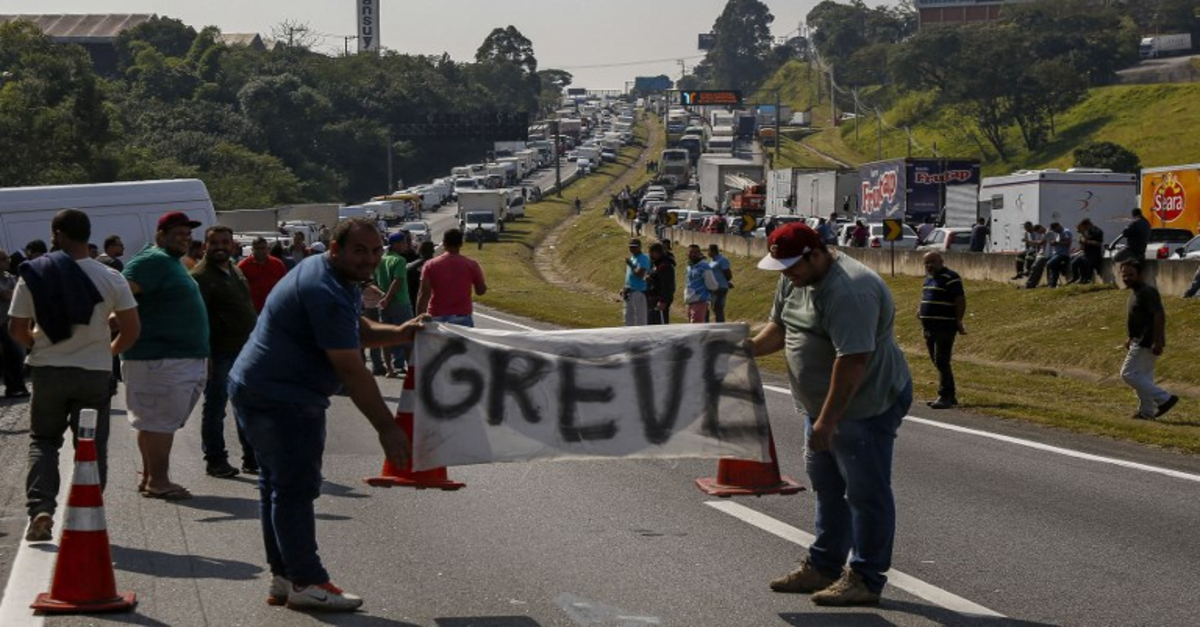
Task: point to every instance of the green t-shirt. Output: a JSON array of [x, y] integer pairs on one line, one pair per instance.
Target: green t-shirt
[[394, 267], [848, 313], [174, 321]]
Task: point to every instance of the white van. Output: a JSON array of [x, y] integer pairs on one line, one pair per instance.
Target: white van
[[130, 210]]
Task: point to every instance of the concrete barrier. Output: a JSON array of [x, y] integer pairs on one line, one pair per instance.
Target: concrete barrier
[[1172, 277]]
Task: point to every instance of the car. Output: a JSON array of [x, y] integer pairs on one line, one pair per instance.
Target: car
[[948, 239], [875, 237], [1191, 250], [609, 155], [779, 220], [657, 189], [1162, 243], [695, 219], [420, 231], [573, 156]]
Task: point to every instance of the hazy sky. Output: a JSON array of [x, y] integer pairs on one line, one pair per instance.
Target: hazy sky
[[576, 35]]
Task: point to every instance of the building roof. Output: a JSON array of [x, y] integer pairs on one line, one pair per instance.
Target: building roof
[[83, 29], [253, 40]]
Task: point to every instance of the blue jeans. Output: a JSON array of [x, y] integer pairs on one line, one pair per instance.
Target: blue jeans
[[1059, 264], [397, 313], [462, 321], [212, 415], [289, 439], [853, 485], [718, 304]]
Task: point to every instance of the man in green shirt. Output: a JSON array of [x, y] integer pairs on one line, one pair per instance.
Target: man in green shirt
[[392, 277], [166, 368]]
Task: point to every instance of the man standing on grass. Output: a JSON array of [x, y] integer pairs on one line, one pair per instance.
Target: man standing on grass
[[835, 320], [699, 284], [723, 273], [1147, 337], [943, 305], [637, 267]]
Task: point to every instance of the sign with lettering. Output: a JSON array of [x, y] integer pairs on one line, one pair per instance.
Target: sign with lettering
[[485, 396], [700, 98], [368, 25]]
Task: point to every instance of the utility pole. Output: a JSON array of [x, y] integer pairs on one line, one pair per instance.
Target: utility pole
[[908, 131], [832, 99], [346, 39], [388, 189], [879, 117], [778, 114], [856, 113]]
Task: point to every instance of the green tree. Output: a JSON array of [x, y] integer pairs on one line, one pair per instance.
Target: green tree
[[238, 178], [508, 45], [742, 45], [1108, 155], [506, 68], [170, 37]]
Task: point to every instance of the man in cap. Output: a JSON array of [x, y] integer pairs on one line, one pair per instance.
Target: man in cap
[[392, 277], [637, 266], [167, 367], [834, 318]]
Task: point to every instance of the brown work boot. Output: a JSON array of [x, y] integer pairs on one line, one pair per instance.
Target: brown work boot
[[849, 590], [41, 528], [803, 580]]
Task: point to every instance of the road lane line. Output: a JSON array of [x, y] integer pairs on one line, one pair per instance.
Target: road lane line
[[904, 582], [1177, 474], [503, 321], [33, 566]]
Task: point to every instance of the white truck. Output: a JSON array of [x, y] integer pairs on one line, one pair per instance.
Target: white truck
[[1045, 196], [1155, 46], [483, 212], [130, 210], [712, 171], [796, 191]]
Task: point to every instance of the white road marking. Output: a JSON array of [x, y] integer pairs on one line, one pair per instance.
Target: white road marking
[[907, 583], [33, 567], [503, 321]]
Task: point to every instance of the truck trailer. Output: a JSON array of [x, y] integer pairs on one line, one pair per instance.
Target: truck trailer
[[916, 190], [712, 171], [1046, 196], [1171, 196], [800, 191], [1155, 46]]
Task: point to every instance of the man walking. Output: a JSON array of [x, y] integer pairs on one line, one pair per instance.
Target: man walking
[[660, 284], [699, 284], [943, 305], [231, 318], [637, 266], [315, 321], [262, 271], [165, 370], [724, 276], [447, 281], [1146, 323], [60, 311], [835, 318]]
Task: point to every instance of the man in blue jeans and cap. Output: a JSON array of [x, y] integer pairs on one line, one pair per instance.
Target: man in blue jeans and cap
[[834, 318]]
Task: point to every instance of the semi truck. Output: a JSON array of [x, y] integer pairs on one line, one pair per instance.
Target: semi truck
[[483, 212], [1045, 196], [1171, 196], [915, 190], [712, 171], [800, 191], [1155, 46], [677, 164]]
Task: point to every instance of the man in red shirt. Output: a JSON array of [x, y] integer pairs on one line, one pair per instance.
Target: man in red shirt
[[262, 272], [446, 283]]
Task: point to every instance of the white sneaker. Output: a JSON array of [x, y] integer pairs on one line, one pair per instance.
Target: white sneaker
[[280, 589], [325, 597]]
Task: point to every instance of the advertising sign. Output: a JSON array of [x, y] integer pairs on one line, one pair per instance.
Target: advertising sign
[[368, 25]]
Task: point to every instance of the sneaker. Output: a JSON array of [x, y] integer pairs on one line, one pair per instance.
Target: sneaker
[[849, 590], [249, 469], [281, 588], [41, 528], [1014, 278], [1139, 416], [325, 597], [1166, 406], [803, 580], [943, 403], [221, 469]]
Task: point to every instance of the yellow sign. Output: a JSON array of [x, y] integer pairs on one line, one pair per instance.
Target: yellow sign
[[748, 223], [631, 214], [893, 230], [672, 218], [1171, 197]]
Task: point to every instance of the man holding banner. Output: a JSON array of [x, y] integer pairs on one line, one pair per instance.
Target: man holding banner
[[834, 318]]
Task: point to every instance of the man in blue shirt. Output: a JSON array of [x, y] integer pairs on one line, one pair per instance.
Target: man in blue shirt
[[943, 306], [637, 266], [306, 345], [724, 275]]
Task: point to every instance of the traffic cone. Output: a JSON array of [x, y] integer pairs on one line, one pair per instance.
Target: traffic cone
[[83, 576], [406, 477], [746, 477]]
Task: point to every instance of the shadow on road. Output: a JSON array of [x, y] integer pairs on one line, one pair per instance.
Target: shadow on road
[[359, 620], [341, 491], [171, 565], [232, 507], [487, 621], [133, 618], [932, 613]]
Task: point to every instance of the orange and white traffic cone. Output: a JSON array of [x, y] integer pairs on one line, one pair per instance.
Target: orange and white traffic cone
[[406, 477], [746, 477], [84, 581]]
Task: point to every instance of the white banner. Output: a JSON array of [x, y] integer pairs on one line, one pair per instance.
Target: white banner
[[367, 18], [671, 391]]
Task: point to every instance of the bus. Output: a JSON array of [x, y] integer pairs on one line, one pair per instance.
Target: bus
[[676, 163]]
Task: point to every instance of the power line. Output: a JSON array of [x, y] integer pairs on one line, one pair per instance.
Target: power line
[[629, 63]]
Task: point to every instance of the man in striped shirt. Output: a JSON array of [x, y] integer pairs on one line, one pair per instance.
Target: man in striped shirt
[[943, 305]]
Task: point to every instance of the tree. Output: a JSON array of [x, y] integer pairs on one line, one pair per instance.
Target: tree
[[1108, 155], [168, 36], [507, 68], [507, 45], [295, 34], [741, 46]]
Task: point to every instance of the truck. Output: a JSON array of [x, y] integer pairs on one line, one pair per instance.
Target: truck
[[1045, 196], [819, 193], [694, 144], [677, 164], [766, 135], [746, 125], [570, 127], [1170, 196], [130, 210], [916, 190], [506, 148], [483, 212], [1155, 46], [712, 170]]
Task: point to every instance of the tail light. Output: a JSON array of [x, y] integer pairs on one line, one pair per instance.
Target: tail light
[[875, 242], [1163, 252]]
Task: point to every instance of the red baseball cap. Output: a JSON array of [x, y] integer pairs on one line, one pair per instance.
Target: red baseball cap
[[173, 219], [788, 244]]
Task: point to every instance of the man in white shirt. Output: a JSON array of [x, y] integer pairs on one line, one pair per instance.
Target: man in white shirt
[[70, 353]]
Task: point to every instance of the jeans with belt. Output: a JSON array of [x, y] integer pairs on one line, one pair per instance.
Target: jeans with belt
[[853, 485], [289, 439]]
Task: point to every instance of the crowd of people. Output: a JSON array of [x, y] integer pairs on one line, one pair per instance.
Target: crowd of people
[[271, 339], [650, 284]]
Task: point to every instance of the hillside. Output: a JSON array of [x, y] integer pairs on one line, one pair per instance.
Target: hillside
[[1148, 119]]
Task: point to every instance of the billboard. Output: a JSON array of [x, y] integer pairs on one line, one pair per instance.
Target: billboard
[[651, 84], [701, 98], [367, 16], [1171, 197], [914, 189]]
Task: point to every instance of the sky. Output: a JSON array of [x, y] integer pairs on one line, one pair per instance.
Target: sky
[[603, 43]]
